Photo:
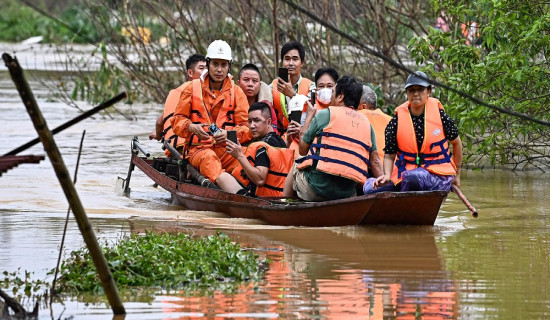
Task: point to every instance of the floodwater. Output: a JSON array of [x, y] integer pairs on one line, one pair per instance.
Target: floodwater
[[495, 266]]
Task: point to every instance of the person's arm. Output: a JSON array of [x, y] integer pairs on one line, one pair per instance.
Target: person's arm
[[159, 126], [389, 159], [303, 146], [256, 175], [181, 122], [241, 116], [457, 159]]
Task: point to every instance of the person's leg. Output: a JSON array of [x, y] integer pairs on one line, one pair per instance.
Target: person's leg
[[228, 183], [208, 164], [302, 188], [288, 190], [415, 180]]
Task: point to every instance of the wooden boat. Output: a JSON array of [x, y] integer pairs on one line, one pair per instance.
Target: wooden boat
[[408, 208], [9, 161]]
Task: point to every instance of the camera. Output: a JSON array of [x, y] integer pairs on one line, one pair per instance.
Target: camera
[[213, 129]]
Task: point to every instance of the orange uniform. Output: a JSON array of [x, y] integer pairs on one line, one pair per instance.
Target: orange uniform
[[169, 109], [227, 108], [379, 120]]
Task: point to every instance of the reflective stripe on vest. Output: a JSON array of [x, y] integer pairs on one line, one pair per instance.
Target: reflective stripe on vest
[[434, 153], [200, 114], [280, 163], [279, 102], [343, 148], [169, 108]]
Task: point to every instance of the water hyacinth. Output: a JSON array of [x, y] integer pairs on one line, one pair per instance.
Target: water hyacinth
[[163, 260]]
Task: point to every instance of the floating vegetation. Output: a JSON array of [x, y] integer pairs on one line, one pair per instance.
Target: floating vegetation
[[170, 261]]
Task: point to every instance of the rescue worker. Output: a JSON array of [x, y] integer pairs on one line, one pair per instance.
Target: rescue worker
[[338, 144], [195, 64], [213, 104], [292, 57], [378, 119], [265, 163], [417, 155]]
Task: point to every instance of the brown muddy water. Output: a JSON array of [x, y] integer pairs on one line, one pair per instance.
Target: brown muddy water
[[495, 266]]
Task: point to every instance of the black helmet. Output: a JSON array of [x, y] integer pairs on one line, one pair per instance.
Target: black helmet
[[414, 80]]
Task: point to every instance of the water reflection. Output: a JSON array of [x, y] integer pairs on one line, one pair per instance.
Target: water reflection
[[338, 273]]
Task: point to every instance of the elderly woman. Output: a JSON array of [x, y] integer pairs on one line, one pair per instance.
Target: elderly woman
[[417, 155]]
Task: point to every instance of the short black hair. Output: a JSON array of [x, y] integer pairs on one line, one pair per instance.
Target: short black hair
[[192, 61], [328, 70], [352, 90], [264, 108], [249, 66], [293, 45]]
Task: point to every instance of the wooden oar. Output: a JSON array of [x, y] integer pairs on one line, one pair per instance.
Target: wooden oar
[[69, 123], [465, 201]]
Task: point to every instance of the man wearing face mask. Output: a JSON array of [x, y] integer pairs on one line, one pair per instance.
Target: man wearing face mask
[[292, 57], [213, 104], [338, 145]]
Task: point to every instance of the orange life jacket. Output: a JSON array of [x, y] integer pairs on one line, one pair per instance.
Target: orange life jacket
[[200, 114], [279, 102], [379, 120], [169, 108], [434, 153], [340, 148], [280, 162]]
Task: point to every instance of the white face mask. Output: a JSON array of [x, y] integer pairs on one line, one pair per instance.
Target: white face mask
[[324, 96]]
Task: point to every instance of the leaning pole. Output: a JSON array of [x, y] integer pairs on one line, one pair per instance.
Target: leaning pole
[[65, 180]]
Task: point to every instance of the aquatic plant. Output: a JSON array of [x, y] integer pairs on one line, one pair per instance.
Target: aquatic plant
[[165, 260]]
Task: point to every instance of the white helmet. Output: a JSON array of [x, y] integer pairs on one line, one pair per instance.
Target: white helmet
[[219, 49]]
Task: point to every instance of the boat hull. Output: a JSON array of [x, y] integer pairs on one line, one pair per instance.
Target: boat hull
[[408, 208]]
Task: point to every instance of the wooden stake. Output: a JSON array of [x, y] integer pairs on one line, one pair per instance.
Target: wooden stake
[[64, 178]]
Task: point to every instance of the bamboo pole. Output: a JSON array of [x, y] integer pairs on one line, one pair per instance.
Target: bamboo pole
[[69, 123], [64, 178]]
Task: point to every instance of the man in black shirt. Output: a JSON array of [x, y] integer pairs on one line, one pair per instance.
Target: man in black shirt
[[260, 123]]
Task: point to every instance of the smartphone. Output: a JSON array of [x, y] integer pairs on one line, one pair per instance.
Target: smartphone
[[313, 97], [232, 136], [295, 116], [283, 74], [213, 129]]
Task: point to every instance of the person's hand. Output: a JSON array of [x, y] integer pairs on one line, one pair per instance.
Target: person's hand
[[311, 110], [381, 181], [285, 87], [234, 149], [456, 181], [153, 135], [220, 137], [196, 129], [293, 130]]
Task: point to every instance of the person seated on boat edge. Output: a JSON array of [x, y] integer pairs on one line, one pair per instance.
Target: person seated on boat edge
[[213, 102], [338, 144], [325, 81], [292, 57], [250, 80], [417, 155], [195, 65], [265, 163], [378, 119]]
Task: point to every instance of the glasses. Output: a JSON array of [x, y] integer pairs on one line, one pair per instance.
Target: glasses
[[415, 90]]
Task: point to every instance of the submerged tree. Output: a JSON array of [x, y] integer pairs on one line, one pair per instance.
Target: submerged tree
[[497, 51]]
